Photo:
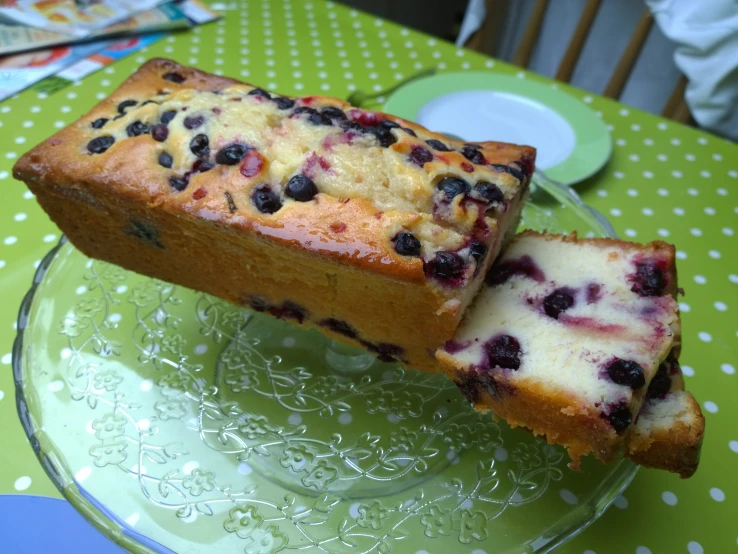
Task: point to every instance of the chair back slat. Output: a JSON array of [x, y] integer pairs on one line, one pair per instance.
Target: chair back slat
[[676, 103], [530, 36], [630, 55], [569, 62]]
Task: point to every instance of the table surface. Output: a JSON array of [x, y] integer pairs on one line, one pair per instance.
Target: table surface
[[664, 181]]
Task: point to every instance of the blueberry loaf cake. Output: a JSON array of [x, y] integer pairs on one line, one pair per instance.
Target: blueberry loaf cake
[[669, 429], [371, 228], [567, 336]]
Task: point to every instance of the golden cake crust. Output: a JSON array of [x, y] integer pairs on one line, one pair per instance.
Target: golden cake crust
[[333, 257]]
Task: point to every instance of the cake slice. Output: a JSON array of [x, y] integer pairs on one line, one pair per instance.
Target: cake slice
[[670, 426], [366, 226], [566, 337]]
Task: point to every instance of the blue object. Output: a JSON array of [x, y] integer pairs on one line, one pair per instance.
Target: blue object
[[37, 524]]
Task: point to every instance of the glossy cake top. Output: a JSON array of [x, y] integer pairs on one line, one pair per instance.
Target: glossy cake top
[[592, 319], [356, 184]]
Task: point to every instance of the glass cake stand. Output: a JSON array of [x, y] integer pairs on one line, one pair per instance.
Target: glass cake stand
[[175, 422]]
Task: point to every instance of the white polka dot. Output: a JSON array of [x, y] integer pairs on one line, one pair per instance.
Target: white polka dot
[[648, 142], [10, 240], [694, 547], [711, 407], [648, 174], [616, 212], [728, 369], [714, 254], [4, 175], [500, 454], [621, 142], [692, 192], [146, 385], [621, 502], [634, 157], [630, 232], [56, 385], [700, 279], [6, 359], [733, 278], [632, 192], [727, 231], [22, 483], [201, 349], [662, 157], [733, 445], [602, 193], [568, 496], [676, 174], [643, 550], [50, 237], [20, 216], [722, 192], [624, 112], [678, 211], [720, 306], [669, 498], [696, 232], [717, 494], [81, 289], [684, 307], [83, 474], [345, 418], [635, 127], [705, 336], [2, 394], [20, 140], [689, 157], [688, 371], [647, 211], [709, 210], [663, 232]]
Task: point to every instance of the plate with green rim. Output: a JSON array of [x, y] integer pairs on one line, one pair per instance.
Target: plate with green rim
[[175, 422], [573, 142]]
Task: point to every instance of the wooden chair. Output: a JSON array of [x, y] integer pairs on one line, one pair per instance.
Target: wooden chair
[[675, 108]]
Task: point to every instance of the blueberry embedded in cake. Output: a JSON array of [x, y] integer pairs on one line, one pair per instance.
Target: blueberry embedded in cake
[[568, 336], [311, 185]]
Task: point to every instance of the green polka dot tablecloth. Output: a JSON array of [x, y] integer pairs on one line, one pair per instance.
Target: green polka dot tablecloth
[[664, 181]]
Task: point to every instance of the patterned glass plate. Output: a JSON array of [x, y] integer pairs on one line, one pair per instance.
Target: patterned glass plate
[[178, 423]]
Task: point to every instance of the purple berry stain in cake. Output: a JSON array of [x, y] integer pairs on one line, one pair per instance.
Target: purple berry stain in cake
[[386, 352], [524, 266], [137, 128], [340, 327], [143, 231], [165, 160], [253, 162], [626, 372], [123, 106], [519, 175], [503, 351], [167, 116], [471, 152], [593, 293], [289, 310], [558, 301], [456, 346], [648, 279], [258, 303]]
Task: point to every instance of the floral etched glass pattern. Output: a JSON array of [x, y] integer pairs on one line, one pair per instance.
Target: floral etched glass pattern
[[171, 419]]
